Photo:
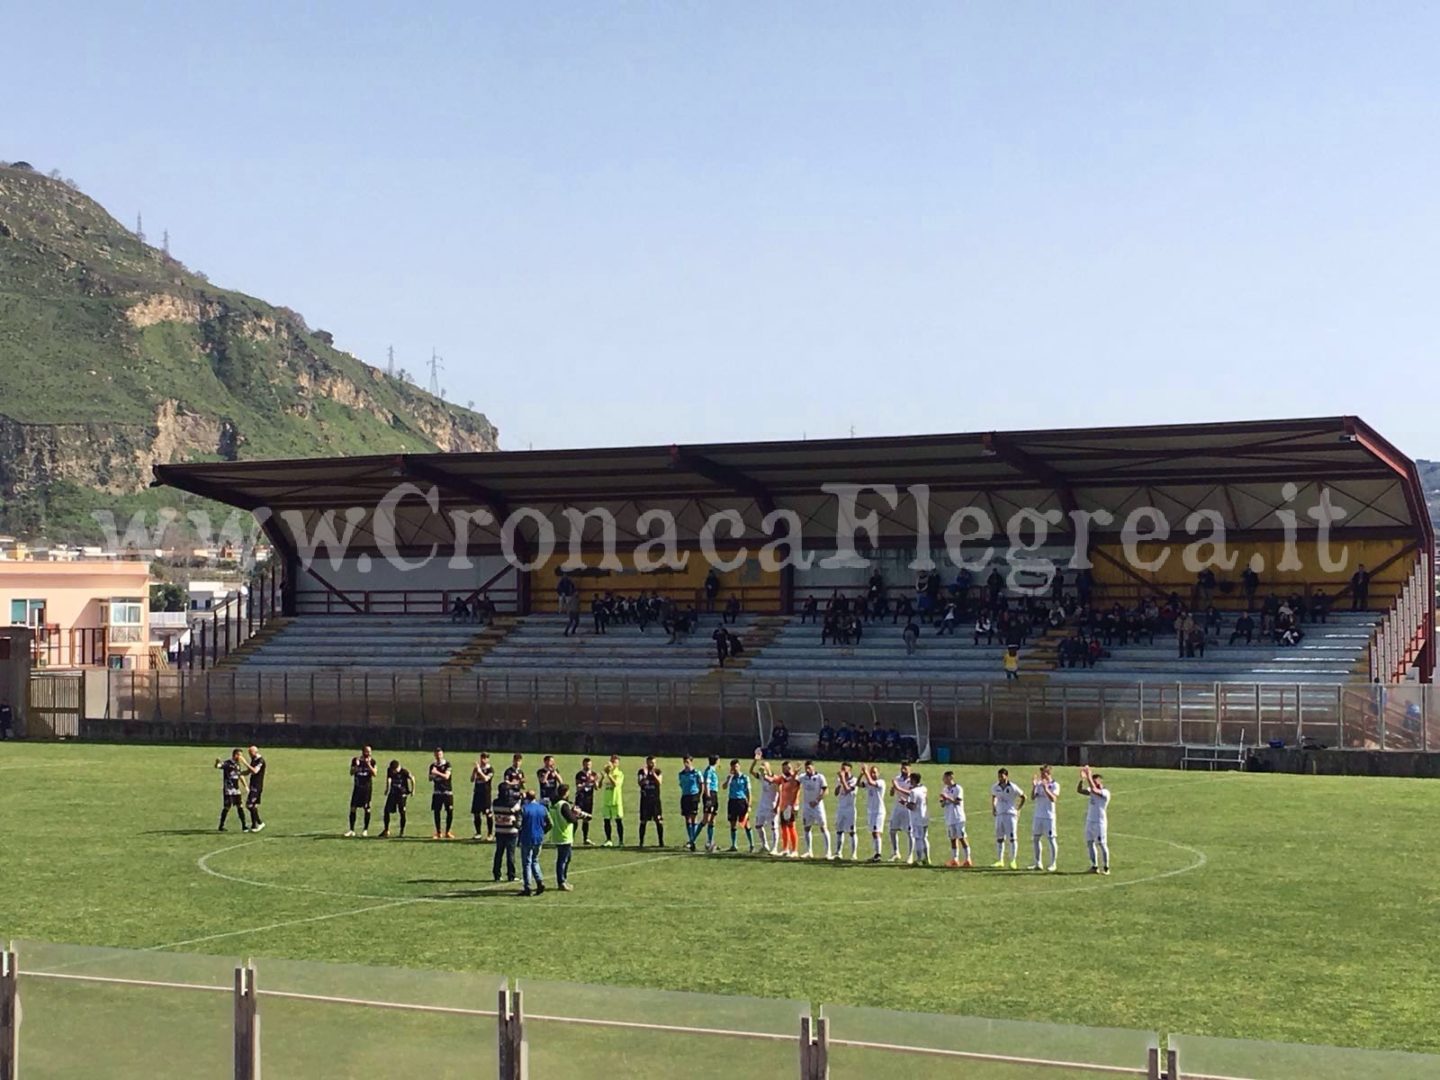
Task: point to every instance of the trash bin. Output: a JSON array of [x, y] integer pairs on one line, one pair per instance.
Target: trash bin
[[942, 755]]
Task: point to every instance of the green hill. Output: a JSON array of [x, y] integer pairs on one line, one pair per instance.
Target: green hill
[[115, 357]]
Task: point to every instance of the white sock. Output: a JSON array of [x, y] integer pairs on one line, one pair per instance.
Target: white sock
[[1105, 854], [1090, 847], [1054, 851], [1000, 850], [894, 842], [1035, 843], [829, 849]]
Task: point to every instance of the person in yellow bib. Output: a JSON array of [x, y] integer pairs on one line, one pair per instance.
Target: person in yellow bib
[[612, 800]]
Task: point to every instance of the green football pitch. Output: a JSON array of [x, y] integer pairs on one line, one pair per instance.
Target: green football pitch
[[1250, 906]]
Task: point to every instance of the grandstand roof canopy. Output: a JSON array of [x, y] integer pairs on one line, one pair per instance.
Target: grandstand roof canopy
[[1238, 470]]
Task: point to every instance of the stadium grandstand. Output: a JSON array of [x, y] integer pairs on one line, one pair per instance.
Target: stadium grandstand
[[1269, 560]]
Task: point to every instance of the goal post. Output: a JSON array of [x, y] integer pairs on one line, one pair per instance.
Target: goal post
[[804, 717]]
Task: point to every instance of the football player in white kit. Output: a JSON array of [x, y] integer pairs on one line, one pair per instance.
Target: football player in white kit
[[812, 810], [846, 786], [1005, 802], [1044, 793], [952, 799], [899, 813], [918, 803], [874, 805], [766, 798], [1097, 840]]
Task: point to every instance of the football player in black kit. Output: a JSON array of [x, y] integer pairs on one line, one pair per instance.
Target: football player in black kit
[[482, 775], [547, 780], [586, 781], [362, 772], [232, 771], [399, 786], [444, 796], [650, 809], [257, 789]]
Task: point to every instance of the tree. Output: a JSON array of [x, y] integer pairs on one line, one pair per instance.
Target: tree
[[325, 336], [167, 596]]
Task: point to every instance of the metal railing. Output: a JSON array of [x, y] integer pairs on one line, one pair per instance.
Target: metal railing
[[162, 1014], [1403, 716]]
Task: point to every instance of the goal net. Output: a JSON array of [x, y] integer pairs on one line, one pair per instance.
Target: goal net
[[803, 719]]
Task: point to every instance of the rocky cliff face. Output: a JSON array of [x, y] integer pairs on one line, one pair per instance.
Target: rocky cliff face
[[114, 358]]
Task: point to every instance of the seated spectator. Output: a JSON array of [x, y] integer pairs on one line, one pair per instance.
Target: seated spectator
[[1320, 606], [732, 609], [810, 610], [853, 630], [844, 739], [1196, 644], [825, 742], [1094, 651], [948, 620], [779, 744], [904, 609], [460, 610], [1292, 635], [1244, 628], [911, 636], [984, 628]]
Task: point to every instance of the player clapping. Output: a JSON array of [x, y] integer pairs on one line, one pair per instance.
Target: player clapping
[[812, 813], [1097, 840], [362, 778], [874, 805], [917, 801], [1045, 792], [846, 787], [952, 799]]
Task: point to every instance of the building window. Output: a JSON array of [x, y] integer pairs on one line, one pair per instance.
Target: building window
[[27, 613], [125, 621]]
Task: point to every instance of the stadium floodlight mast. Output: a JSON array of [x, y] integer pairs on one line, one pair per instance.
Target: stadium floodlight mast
[[804, 717]]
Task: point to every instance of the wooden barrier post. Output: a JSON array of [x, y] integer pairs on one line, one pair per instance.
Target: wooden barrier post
[[9, 1015], [510, 1032], [247, 1026], [814, 1048]]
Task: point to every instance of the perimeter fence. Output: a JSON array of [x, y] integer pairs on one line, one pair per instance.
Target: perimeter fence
[[72, 1011]]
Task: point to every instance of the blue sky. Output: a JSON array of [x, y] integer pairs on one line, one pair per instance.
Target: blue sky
[[658, 222]]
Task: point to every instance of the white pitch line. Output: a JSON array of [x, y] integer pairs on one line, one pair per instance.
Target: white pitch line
[[48, 765], [393, 902], [279, 925]]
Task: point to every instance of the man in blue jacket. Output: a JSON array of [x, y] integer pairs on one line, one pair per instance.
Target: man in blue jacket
[[534, 824]]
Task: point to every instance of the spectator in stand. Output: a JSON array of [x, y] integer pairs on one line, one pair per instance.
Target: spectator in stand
[[994, 584], [1057, 587], [1094, 652], [732, 610], [875, 591], [570, 608], [460, 610], [1195, 644], [779, 744], [1204, 587], [1012, 664], [712, 590], [565, 586], [825, 741], [904, 609], [1244, 627], [1360, 589], [1084, 583], [810, 610], [1250, 582], [600, 614], [854, 630], [722, 644], [735, 645], [922, 595], [984, 628], [1320, 606], [1184, 628], [964, 581], [948, 620], [911, 637], [829, 629]]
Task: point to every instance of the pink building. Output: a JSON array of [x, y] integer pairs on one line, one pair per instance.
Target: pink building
[[85, 614]]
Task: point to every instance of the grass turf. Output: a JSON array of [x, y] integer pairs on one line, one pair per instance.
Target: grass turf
[[1248, 906]]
